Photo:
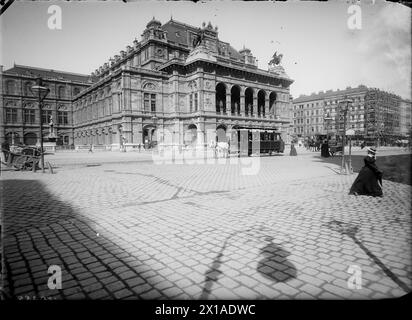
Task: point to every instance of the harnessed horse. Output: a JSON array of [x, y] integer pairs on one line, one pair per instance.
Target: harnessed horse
[[220, 148]]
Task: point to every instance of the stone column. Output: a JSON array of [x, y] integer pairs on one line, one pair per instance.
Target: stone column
[[255, 109], [228, 104], [242, 104], [267, 115]]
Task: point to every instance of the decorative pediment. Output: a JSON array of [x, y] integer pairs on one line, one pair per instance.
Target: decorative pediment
[[28, 105], [149, 86], [192, 85], [62, 107], [10, 103], [47, 106]]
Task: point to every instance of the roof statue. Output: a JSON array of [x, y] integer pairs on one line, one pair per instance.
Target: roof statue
[[199, 38], [276, 59]]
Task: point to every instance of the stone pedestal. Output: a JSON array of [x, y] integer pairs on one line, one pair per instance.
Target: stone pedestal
[[49, 143], [49, 146], [200, 52], [278, 69]]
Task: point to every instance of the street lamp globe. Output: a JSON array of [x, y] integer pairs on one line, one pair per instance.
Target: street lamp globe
[[39, 90]]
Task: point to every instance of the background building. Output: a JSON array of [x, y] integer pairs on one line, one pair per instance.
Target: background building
[[20, 116], [373, 114], [318, 114]]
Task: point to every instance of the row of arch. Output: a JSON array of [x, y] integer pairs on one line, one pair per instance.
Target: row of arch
[[235, 101]]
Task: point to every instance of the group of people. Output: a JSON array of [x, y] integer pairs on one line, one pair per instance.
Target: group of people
[[324, 149]]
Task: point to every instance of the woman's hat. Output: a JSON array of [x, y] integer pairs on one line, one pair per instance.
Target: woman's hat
[[371, 150]]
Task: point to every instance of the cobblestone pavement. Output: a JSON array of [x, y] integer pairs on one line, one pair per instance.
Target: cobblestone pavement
[[136, 230]]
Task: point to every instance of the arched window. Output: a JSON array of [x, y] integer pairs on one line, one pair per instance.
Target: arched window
[[235, 100], [220, 98], [30, 139], [249, 101]]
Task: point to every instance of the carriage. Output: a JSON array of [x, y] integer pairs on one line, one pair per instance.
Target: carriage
[[247, 141], [335, 149], [26, 158]]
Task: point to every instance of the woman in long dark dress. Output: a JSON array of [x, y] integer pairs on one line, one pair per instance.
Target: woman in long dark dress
[[324, 150], [293, 150], [369, 180]]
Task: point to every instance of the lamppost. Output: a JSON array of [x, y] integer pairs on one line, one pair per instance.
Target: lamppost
[[154, 119], [327, 119], [41, 92], [344, 106]]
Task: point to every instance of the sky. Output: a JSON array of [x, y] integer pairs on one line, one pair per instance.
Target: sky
[[320, 52]]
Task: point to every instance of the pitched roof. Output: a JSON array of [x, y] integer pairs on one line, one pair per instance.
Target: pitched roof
[[47, 73], [330, 93], [178, 32]]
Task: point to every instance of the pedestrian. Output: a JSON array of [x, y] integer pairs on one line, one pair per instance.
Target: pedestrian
[[5, 149], [369, 180], [293, 151], [324, 150], [91, 148], [140, 146]]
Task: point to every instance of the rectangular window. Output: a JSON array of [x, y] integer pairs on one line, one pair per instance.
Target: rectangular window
[[29, 116], [191, 102], [62, 117], [45, 116], [153, 102], [146, 101], [11, 115]]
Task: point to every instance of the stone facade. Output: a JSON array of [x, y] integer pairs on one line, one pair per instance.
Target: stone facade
[[20, 116], [166, 89]]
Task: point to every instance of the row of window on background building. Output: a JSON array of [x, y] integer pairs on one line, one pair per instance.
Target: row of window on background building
[[319, 111], [29, 116], [325, 103], [11, 88]]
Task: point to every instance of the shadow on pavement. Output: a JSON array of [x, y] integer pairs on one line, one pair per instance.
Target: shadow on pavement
[[396, 168], [40, 230], [275, 265], [351, 230]]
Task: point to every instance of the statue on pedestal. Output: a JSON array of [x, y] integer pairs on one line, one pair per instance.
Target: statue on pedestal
[[51, 129], [199, 38], [276, 59]]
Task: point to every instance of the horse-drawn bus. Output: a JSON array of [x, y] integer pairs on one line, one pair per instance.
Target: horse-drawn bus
[[247, 141]]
